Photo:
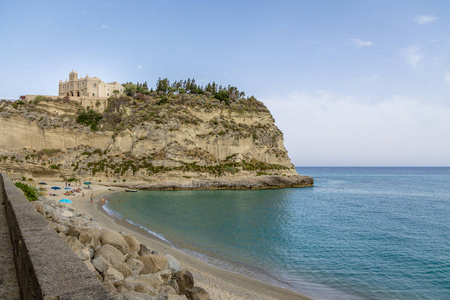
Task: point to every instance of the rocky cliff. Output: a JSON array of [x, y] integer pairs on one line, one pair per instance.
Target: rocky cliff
[[158, 141]]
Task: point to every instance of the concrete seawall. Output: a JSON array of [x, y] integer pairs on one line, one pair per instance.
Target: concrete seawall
[[46, 267]]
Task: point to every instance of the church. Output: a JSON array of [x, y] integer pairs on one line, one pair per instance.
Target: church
[[87, 87]]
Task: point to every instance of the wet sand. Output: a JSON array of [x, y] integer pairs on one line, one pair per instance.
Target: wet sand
[[220, 284]]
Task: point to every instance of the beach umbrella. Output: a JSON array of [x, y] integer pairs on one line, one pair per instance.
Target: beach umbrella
[[43, 183], [87, 183], [65, 201], [56, 188], [67, 188]]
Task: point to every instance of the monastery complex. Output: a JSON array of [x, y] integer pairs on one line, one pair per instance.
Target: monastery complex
[[87, 87]]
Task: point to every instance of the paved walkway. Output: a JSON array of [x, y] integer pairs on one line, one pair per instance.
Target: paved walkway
[[9, 287]]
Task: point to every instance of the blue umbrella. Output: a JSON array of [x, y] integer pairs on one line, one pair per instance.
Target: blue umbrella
[[87, 183], [65, 201], [55, 188], [43, 183], [67, 188]]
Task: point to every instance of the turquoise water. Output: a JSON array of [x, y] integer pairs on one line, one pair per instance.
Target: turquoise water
[[369, 233]]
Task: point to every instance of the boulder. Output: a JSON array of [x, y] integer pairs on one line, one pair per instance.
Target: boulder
[[145, 288], [39, 205], [62, 235], [124, 269], [154, 263], [109, 237], [90, 266], [86, 239], [112, 274], [173, 284], [133, 244], [198, 293], [156, 280], [101, 264], [110, 287], [62, 228], [95, 232], [132, 255], [185, 281], [143, 250], [74, 244], [85, 254], [48, 210], [176, 297], [111, 254], [94, 271], [168, 290], [74, 231], [174, 265], [135, 266], [132, 295]]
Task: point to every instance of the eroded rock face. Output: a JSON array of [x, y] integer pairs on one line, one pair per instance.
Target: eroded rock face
[[185, 146]]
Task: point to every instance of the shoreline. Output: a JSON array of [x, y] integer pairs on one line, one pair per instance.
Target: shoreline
[[220, 283]]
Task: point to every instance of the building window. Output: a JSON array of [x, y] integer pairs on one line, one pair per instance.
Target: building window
[[107, 94], [95, 85], [93, 94]]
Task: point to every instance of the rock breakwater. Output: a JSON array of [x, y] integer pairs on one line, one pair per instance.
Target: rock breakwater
[[128, 269]]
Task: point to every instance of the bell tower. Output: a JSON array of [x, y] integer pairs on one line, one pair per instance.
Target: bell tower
[[73, 75]]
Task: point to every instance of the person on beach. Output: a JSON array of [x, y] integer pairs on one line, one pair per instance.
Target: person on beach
[[92, 198]]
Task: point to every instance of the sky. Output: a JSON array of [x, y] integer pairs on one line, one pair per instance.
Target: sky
[[350, 83]]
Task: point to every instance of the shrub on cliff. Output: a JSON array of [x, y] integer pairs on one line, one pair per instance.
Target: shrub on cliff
[[30, 192], [90, 118]]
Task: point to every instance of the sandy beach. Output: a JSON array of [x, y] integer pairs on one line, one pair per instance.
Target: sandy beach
[[220, 284]]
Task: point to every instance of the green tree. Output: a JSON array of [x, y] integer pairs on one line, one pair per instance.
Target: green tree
[[130, 89], [162, 85], [223, 96]]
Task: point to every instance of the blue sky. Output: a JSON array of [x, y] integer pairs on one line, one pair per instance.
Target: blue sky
[[362, 83]]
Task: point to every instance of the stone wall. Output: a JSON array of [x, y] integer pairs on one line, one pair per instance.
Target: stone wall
[[47, 268]]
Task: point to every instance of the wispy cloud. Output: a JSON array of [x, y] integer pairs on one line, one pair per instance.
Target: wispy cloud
[[423, 19], [105, 26], [139, 67], [360, 43], [413, 56]]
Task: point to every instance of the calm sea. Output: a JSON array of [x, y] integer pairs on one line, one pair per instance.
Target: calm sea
[[359, 233]]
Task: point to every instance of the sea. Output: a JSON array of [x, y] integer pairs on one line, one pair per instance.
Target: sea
[[358, 233]]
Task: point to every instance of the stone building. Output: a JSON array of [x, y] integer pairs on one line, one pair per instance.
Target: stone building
[[88, 87]]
